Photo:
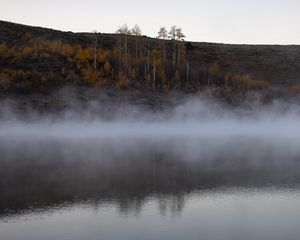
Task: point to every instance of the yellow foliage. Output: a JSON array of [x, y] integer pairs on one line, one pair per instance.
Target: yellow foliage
[[92, 76], [103, 56], [84, 54], [148, 77], [247, 82], [27, 51], [3, 50], [161, 73], [67, 50], [106, 68], [214, 70], [4, 81], [177, 76], [122, 81]]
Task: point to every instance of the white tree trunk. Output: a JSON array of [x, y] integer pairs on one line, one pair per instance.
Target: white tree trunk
[[178, 60], [154, 70], [164, 51], [187, 71], [95, 52], [125, 56]]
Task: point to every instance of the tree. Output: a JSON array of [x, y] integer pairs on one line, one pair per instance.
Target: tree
[[106, 68], [163, 34], [172, 36], [124, 31], [187, 71], [179, 34], [173, 33], [180, 38], [95, 50], [154, 69], [148, 58], [136, 31]]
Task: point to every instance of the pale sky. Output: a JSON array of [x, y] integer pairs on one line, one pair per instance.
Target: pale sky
[[227, 21]]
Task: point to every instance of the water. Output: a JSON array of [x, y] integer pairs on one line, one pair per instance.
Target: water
[[148, 188], [241, 214]]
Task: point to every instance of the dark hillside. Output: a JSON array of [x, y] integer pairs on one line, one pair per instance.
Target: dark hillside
[[34, 59], [277, 64]]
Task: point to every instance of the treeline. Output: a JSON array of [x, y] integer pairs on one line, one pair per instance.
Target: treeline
[[132, 61]]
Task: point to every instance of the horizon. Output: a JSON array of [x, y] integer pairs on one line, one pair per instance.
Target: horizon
[[232, 22], [154, 37]]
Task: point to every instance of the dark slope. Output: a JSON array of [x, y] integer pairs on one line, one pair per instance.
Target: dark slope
[[277, 65], [274, 63], [13, 34]]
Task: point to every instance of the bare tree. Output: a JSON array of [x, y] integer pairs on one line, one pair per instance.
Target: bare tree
[[154, 69], [172, 36], [148, 56], [179, 37], [136, 31], [187, 71], [124, 31], [95, 49], [163, 34]]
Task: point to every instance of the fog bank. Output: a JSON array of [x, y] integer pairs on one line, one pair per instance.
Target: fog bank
[[193, 128], [182, 117]]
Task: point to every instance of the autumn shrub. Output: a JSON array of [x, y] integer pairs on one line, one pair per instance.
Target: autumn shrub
[[92, 76], [122, 81], [4, 51], [84, 54], [5, 81], [67, 50], [103, 56], [245, 82], [107, 68], [214, 74]]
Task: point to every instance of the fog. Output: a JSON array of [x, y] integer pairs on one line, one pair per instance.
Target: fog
[[192, 117], [193, 127]]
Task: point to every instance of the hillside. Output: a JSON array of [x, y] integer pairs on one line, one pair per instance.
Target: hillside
[[34, 59]]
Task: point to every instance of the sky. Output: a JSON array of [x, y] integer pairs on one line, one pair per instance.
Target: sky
[[222, 21]]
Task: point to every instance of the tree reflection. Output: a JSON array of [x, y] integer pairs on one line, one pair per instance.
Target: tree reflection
[[48, 176]]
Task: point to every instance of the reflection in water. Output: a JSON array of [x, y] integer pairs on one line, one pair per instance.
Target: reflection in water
[[162, 189]]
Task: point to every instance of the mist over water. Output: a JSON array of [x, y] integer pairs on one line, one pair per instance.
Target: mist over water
[[195, 127], [126, 162], [188, 118]]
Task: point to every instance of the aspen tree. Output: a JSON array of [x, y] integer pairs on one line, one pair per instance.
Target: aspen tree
[[136, 31], [124, 31], [95, 50], [187, 71], [163, 34], [172, 36], [154, 69], [179, 37], [148, 56]]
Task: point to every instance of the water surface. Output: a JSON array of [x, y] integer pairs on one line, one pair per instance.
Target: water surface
[[229, 187]]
